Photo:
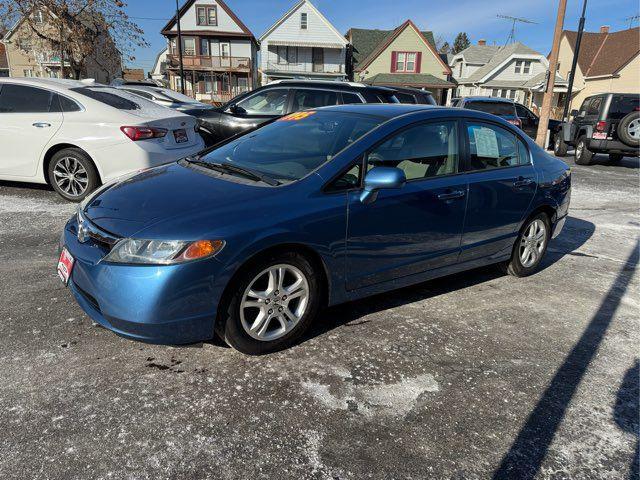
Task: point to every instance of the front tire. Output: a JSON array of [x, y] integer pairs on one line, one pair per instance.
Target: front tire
[[272, 304], [583, 155], [72, 174], [530, 247]]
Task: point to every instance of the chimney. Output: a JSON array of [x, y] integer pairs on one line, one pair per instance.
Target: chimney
[[482, 41], [604, 29]]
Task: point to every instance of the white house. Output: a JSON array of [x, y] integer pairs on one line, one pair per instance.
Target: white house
[[159, 71], [219, 51], [512, 71], [302, 44]]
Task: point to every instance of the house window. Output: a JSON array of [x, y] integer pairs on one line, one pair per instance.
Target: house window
[[287, 55], [207, 16], [303, 21], [204, 47], [28, 73], [38, 17], [189, 47], [526, 68], [225, 49], [495, 92], [406, 61], [523, 66]]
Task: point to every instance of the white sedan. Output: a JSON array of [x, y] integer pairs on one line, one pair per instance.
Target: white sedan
[[75, 135]]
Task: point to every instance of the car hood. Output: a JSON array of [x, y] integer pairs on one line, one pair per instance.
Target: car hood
[[177, 201]]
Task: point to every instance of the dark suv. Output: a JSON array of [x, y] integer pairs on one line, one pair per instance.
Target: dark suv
[[530, 123], [279, 98], [501, 107], [606, 123]]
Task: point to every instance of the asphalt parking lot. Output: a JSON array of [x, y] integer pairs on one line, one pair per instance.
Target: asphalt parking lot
[[473, 376]]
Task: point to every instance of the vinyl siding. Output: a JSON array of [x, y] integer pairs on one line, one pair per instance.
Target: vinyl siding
[[188, 21], [508, 72]]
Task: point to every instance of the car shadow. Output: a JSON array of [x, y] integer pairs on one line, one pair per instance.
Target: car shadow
[[632, 163], [626, 413], [575, 233], [26, 186], [529, 449]]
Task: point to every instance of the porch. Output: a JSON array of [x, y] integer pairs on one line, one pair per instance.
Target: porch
[[211, 87]]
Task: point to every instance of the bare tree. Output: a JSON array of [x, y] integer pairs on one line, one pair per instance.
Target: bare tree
[[80, 31]]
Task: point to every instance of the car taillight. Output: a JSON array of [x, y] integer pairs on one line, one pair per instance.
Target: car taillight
[[601, 126], [517, 122], [143, 133]]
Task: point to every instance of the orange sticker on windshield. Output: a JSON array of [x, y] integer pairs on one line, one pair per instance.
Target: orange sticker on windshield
[[294, 117]]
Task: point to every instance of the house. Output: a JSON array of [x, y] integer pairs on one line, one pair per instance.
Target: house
[[133, 74], [608, 62], [4, 63], [303, 44], [219, 52], [159, 71], [30, 56], [512, 71], [404, 56]]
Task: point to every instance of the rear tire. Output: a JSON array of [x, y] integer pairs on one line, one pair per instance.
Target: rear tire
[[559, 147], [257, 317], [530, 247], [629, 129], [583, 155], [72, 174], [615, 157]]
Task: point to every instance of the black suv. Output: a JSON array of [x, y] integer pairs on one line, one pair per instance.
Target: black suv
[[279, 98], [413, 95], [530, 123], [501, 107], [606, 123]]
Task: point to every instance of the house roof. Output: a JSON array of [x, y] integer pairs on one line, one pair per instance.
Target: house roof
[[605, 53], [167, 28], [293, 9], [500, 56], [479, 54], [366, 40], [4, 63], [427, 38], [411, 79]]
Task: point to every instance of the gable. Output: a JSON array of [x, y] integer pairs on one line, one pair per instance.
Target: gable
[[226, 20], [408, 39], [319, 29]]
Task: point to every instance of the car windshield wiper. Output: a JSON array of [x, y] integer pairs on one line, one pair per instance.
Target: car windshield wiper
[[235, 169]]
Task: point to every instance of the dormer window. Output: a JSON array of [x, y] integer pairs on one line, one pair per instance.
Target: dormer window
[[207, 16], [523, 66], [38, 16], [303, 21]]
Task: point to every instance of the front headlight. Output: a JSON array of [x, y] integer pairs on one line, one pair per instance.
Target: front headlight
[[161, 252]]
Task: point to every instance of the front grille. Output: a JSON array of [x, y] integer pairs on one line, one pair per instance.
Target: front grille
[[87, 230]]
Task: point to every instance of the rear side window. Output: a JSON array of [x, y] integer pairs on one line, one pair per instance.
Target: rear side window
[[305, 99], [68, 105], [348, 98], [108, 96], [140, 93], [491, 147], [500, 109], [623, 105], [593, 107], [405, 97], [25, 99]]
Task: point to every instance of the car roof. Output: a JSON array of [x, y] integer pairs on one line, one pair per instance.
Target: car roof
[[408, 89], [386, 110], [488, 99], [329, 83], [55, 83]]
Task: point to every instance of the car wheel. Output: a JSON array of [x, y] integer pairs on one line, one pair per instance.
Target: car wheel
[[615, 157], [530, 247], [271, 305], [559, 147], [583, 155], [629, 129], [72, 174]]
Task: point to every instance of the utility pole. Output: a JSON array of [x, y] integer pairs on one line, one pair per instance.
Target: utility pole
[[574, 63], [180, 48], [551, 80]]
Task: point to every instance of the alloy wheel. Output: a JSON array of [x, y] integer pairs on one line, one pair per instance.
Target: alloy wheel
[[533, 243], [579, 149], [274, 302], [633, 129], [71, 176]]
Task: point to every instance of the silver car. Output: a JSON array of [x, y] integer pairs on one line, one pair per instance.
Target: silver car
[[165, 97]]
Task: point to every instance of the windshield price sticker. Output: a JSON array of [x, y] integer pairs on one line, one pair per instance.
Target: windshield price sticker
[[295, 117]]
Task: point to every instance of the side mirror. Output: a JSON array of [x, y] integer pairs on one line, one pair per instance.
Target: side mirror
[[235, 109], [380, 178], [574, 113]]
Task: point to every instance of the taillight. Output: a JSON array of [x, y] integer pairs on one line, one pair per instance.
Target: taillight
[[517, 122], [601, 126], [143, 133]]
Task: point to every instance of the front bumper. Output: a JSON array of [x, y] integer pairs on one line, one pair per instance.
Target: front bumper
[[173, 304]]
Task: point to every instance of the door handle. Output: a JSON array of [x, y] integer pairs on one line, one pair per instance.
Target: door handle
[[42, 125], [522, 182], [451, 195]]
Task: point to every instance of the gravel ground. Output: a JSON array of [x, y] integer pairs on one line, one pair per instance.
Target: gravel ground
[[470, 376]]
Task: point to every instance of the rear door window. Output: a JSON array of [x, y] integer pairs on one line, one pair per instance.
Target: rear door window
[[304, 99], [500, 109], [266, 102], [26, 99], [593, 107], [492, 147]]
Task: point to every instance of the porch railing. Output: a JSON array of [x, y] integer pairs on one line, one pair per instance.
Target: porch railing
[[203, 62], [305, 68]]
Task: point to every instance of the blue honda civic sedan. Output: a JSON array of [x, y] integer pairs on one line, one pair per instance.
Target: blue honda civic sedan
[[252, 238]]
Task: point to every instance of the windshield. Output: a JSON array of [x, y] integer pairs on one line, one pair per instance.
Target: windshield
[[292, 146], [497, 108]]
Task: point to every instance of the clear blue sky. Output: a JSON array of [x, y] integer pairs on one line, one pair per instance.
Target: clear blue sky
[[445, 18]]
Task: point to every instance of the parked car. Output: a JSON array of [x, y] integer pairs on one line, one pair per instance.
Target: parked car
[[75, 135], [530, 122], [254, 236], [280, 98], [412, 95], [119, 82], [606, 123], [166, 98], [501, 107]]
